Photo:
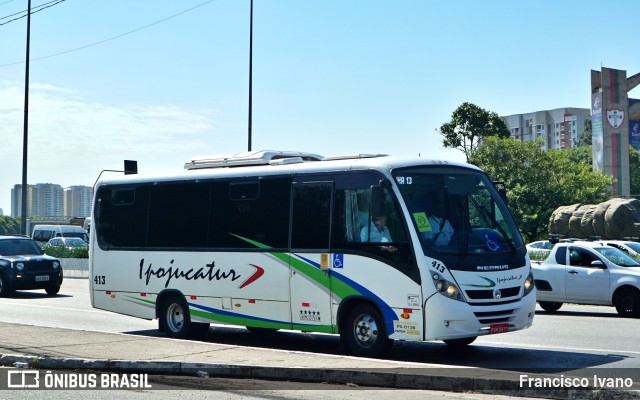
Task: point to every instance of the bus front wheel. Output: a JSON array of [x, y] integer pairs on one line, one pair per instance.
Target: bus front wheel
[[175, 320], [457, 343], [365, 332]]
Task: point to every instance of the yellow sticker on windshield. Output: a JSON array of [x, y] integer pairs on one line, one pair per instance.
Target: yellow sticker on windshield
[[422, 221]]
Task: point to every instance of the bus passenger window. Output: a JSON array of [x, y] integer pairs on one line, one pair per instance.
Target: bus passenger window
[[310, 226]]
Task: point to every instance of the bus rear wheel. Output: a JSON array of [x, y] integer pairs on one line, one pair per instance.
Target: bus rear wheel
[[176, 322], [365, 332]]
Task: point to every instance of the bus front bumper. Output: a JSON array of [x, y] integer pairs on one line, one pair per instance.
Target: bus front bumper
[[452, 319]]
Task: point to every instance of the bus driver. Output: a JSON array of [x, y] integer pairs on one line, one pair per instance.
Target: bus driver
[[440, 231], [377, 231]]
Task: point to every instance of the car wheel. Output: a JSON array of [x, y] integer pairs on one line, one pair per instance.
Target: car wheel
[[628, 303], [550, 306], [460, 342], [53, 290], [175, 320], [365, 332], [4, 287]]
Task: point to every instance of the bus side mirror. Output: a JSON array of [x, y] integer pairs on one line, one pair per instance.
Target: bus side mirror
[[503, 194], [130, 167], [502, 190]]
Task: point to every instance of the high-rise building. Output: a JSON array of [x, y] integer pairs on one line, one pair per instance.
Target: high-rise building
[[77, 201], [16, 201], [46, 200], [52, 201], [559, 129]]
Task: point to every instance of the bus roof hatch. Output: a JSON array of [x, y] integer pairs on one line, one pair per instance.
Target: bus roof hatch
[[249, 158]]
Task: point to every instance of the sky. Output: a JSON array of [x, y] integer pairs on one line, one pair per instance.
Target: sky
[[162, 81]]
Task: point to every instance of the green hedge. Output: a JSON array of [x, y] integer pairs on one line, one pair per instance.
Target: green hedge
[[539, 255], [64, 252]]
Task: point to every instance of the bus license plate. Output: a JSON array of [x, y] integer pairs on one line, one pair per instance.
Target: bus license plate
[[498, 328], [42, 278]]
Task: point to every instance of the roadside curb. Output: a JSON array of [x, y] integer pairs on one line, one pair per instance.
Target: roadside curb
[[467, 380]]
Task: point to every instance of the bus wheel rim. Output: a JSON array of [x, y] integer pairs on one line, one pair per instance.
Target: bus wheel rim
[[366, 330], [175, 317]]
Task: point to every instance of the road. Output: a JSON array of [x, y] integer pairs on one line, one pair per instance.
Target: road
[[181, 387], [577, 337]]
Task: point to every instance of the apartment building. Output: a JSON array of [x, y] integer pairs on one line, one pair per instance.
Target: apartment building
[[77, 201], [52, 201], [559, 129]]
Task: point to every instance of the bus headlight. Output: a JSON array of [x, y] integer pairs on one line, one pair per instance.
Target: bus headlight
[[528, 285], [19, 266], [446, 288]]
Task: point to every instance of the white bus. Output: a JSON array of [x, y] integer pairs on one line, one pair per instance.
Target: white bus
[[282, 240]]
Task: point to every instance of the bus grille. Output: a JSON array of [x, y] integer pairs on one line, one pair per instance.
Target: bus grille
[[489, 294], [494, 317]]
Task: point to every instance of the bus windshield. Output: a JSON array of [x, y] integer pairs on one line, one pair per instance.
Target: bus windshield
[[457, 210]]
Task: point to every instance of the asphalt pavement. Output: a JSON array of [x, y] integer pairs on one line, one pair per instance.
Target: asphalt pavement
[[65, 349]]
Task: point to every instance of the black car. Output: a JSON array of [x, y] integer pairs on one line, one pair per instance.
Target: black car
[[24, 266]]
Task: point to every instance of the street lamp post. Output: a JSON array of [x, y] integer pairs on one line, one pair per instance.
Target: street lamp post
[[23, 219], [250, 67]]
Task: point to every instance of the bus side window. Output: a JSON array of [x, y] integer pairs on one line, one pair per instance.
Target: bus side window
[[352, 214], [253, 210], [384, 223], [311, 223], [122, 216]]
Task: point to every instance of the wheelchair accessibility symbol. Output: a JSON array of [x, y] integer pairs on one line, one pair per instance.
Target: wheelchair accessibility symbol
[[338, 260]]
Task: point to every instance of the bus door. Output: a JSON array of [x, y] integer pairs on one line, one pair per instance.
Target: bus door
[[310, 259]]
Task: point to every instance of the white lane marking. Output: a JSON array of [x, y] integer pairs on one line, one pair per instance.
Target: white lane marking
[[54, 308], [564, 348]]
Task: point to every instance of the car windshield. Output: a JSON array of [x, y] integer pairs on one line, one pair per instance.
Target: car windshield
[[80, 235], [456, 210], [19, 247], [635, 246], [74, 242], [617, 257]]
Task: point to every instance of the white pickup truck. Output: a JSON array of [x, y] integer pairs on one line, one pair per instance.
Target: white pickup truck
[[584, 272]]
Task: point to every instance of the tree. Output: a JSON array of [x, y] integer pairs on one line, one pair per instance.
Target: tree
[[585, 137], [538, 182], [634, 172], [581, 155], [469, 125], [9, 226]]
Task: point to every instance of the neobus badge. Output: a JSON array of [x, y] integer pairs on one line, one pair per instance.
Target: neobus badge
[[492, 267]]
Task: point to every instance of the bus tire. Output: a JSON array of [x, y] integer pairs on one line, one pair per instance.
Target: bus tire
[[365, 332], [455, 343], [550, 306], [175, 319], [198, 330]]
